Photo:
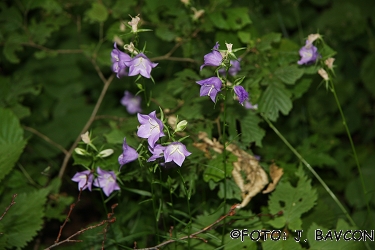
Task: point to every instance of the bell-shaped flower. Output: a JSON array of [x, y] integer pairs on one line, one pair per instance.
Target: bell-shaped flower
[[151, 128], [241, 93], [106, 181], [129, 154], [156, 152], [84, 179], [210, 87], [131, 102], [213, 58], [309, 53], [176, 151], [140, 64], [118, 62]]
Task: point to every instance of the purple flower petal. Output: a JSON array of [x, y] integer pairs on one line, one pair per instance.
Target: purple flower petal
[[84, 179], [131, 102], [176, 151], [309, 54], [151, 128], [106, 181], [140, 64], [213, 58], [241, 93], [210, 87], [129, 154]]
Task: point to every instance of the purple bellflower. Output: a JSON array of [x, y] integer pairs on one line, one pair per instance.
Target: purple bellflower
[[106, 181], [118, 62], [131, 102], [129, 154], [309, 53], [234, 68], [210, 87], [213, 58], [84, 179], [156, 152], [140, 64], [241, 93], [151, 128], [176, 151]]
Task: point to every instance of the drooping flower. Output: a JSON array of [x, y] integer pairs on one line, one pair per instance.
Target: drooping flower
[[118, 62], [176, 151], [241, 93], [84, 179], [106, 181], [140, 64], [210, 87], [309, 53], [151, 128], [156, 152], [129, 154], [131, 102], [213, 58], [323, 74], [234, 68]]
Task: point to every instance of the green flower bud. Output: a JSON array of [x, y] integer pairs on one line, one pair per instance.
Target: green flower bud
[[181, 126]]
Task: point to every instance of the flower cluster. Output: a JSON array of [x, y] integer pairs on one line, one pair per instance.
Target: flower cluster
[[213, 85], [152, 128], [106, 180], [124, 65]]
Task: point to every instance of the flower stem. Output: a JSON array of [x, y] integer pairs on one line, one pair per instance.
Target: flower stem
[[224, 137], [188, 203], [311, 169], [332, 88]]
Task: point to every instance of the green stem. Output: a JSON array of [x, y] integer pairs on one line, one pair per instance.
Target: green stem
[[224, 137], [154, 208], [188, 203], [332, 87], [311, 170]]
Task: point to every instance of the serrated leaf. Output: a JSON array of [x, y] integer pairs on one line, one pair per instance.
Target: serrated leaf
[[289, 74], [293, 201], [250, 130], [11, 141], [97, 13], [215, 168], [25, 218], [274, 100]]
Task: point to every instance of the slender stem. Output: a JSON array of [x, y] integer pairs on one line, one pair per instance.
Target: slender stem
[[188, 203], [87, 125], [332, 87], [225, 154], [311, 170]]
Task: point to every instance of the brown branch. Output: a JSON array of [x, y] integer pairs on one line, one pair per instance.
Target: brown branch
[[59, 51], [87, 125], [10, 205], [231, 212], [46, 138]]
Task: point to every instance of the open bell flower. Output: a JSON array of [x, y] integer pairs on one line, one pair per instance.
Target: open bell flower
[[156, 152], [129, 154], [140, 65], [309, 53], [176, 152], [118, 59], [151, 128], [106, 181], [84, 179], [210, 87], [213, 58], [131, 102]]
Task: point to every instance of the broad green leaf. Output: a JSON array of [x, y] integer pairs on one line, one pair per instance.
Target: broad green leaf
[[97, 13], [293, 201], [301, 87], [274, 100], [165, 33], [237, 18], [289, 74], [232, 190], [215, 168], [11, 141], [266, 41], [25, 218], [250, 130]]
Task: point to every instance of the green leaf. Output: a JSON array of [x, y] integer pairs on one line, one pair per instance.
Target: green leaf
[[164, 33], [293, 201], [289, 74], [238, 17], [25, 218], [276, 98], [282, 244], [97, 13], [11, 141], [267, 40], [215, 168], [250, 130]]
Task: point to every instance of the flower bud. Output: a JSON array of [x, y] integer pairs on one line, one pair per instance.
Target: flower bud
[[105, 153], [181, 126], [323, 74], [134, 23], [80, 151], [86, 138]]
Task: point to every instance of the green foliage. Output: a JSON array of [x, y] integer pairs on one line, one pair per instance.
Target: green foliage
[[292, 201]]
